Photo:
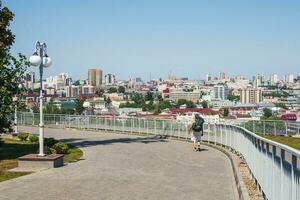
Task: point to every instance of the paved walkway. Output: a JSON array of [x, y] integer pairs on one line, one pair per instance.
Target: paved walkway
[[117, 166]]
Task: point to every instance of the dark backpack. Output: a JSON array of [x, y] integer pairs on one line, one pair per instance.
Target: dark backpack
[[198, 125]]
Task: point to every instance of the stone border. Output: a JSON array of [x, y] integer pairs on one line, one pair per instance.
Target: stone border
[[241, 187]]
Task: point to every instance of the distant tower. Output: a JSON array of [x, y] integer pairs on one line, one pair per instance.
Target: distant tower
[[94, 77]]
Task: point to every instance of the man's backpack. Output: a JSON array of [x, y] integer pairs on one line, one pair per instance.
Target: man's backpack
[[198, 125]]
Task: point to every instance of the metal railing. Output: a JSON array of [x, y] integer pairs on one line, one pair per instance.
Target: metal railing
[[269, 127], [275, 167]]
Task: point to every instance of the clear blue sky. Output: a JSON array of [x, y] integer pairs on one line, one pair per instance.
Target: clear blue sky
[[191, 38]]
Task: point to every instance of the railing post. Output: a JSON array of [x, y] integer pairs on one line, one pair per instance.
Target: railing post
[[282, 158], [131, 124], [221, 133], [123, 125], [69, 121], [163, 127], [215, 134], [294, 167], [208, 133], [154, 126], [171, 127], [114, 118], [147, 127], [139, 125], [275, 132], [178, 130], [286, 128], [264, 124]]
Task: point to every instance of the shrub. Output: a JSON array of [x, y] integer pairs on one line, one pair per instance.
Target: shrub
[[33, 138], [50, 142], [60, 148], [23, 136], [1, 142]]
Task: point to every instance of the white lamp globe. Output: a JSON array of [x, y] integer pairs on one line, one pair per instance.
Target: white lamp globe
[[47, 61], [35, 60]]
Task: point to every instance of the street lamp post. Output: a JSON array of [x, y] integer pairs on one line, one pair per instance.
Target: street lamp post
[[40, 59], [15, 98]]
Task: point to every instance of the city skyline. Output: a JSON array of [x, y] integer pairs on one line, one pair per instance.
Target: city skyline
[[135, 38]]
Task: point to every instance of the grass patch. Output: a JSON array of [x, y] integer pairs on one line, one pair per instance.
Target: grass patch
[[73, 155], [289, 141], [9, 152], [4, 175], [14, 148]]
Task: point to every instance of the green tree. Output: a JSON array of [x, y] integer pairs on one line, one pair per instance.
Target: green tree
[[204, 104], [108, 100], [189, 104], [232, 97], [11, 70], [76, 83], [112, 90], [51, 108], [267, 112], [79, 106], [121, 89], [149, 96], [100, 92], [226, 112]]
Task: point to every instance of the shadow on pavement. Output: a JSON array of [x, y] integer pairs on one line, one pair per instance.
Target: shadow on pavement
[[83, 142]]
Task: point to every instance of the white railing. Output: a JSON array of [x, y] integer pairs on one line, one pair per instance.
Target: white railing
[[275, 167], [269, 127]]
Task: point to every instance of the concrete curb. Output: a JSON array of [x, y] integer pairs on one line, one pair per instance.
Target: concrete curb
[[241, 187]]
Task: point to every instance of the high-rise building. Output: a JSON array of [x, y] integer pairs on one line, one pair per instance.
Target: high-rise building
[[222, 75], [273, 79], [221, 91], [94, 77], [257, 80], [110, 79], [289, 78], [251, 95], [208, 77]]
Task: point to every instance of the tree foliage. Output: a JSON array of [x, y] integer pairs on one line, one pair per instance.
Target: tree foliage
[[232, 97], [79, 106], [267, 112], [121, 89], [226, 112], [204, 104], [189, 104], [112, 90], [11, 70]]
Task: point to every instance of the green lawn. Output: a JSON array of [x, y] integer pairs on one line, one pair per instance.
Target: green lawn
[[14, 148], [290, 141]]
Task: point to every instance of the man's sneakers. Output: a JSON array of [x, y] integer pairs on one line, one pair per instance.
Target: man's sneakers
[[197, 149]]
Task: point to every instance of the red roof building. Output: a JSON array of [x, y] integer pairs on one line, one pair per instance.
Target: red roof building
[[203, 111]]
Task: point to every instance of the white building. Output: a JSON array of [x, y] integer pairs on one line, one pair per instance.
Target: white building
[[289, 78], [221, 91], [110, 79], [273, 79], [251, 95]]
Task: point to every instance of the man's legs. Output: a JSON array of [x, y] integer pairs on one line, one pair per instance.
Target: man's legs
[[198, 145], [195, 144]]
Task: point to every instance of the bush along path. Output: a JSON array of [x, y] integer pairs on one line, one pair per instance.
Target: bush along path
[[11, 149]]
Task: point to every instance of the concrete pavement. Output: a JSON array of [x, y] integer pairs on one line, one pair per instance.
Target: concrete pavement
[[116, 166]]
